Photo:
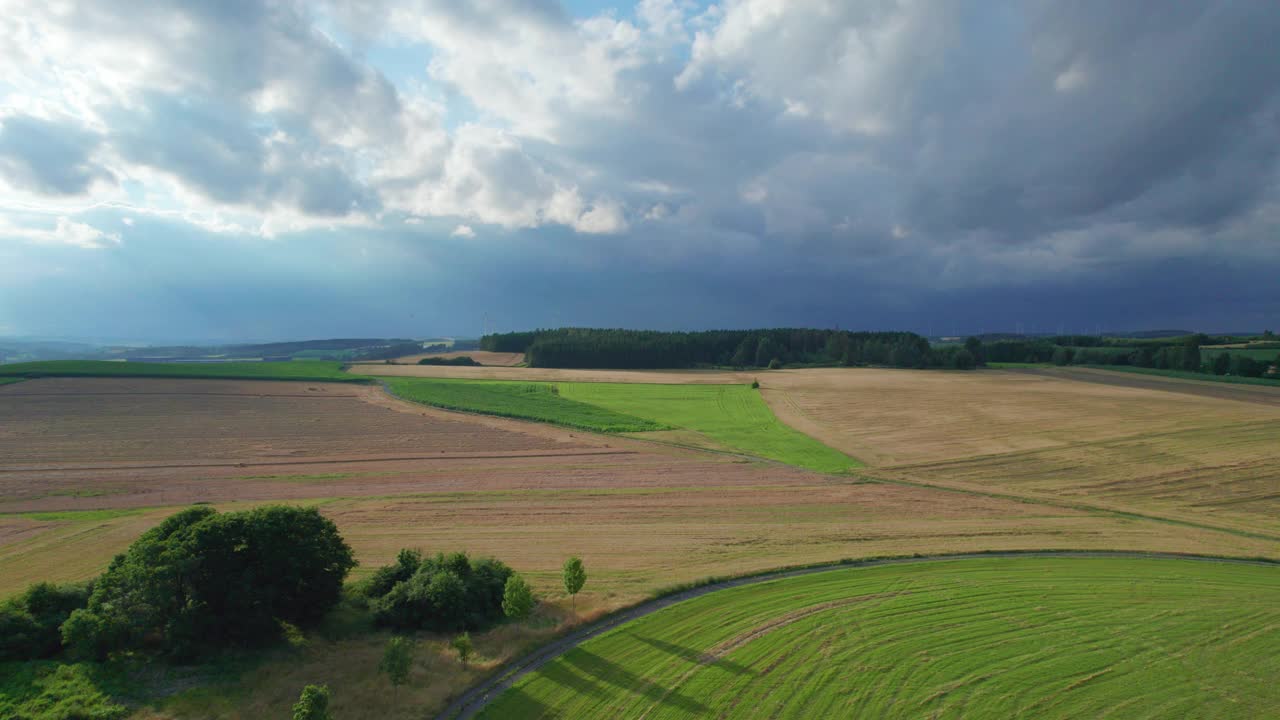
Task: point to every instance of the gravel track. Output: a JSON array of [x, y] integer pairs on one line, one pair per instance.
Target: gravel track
[[478, 697]]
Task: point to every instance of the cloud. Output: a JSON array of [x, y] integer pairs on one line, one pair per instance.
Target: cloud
[[463, 231], [65, 231], [894, 150], [49, 157]]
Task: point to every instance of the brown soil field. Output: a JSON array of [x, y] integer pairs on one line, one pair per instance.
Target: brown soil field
[[1196, 452], [672, 377], [484, 357]]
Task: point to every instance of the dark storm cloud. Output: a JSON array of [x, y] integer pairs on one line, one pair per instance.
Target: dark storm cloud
[[1162, 113], [945, 166], [50, 157]]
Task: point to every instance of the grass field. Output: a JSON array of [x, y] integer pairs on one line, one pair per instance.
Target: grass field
[[7, 380], [528, 401], [308, 370], [732, 415], [985, 638], [1184, 375], [1267, 354]]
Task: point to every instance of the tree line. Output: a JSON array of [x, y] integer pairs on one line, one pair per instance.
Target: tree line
[[1183, 353], [650, 349]]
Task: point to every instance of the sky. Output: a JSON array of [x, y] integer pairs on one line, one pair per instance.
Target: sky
[[251, 170]]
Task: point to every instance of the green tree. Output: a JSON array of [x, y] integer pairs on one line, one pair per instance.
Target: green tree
[[1221, 363], [974, 346], [313, 704], [1191, 354], [462, 645], [1062, 355], [766, 350], [202, 580], [397, 659], [963, 359], [745, 352], [517, 598], [575, 576]]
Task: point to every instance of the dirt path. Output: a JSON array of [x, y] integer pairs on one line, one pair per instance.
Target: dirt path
[[477, 698]]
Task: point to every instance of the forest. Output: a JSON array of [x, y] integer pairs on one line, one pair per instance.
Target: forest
[[767, 348]]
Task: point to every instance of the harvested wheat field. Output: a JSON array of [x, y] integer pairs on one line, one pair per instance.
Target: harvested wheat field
[[1193, 454], [88, 464]]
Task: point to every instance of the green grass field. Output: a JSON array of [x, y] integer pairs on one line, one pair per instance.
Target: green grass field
[[984, 638], [1261, 354], [7, 380], [526, 401], [308, 370], [733, 415], [1184, 375]]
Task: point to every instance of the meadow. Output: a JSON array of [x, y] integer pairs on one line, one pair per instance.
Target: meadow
[[734, 416], [528, 401], [971, 638], [1202, 377], [306, 370], [730, 417]]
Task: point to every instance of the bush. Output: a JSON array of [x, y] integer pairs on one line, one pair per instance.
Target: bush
[[775, 364], [47, 690], [30, 622], [517, 598], [202, 581], [461, 360], [313, 704], [444, 593], [386, 577]]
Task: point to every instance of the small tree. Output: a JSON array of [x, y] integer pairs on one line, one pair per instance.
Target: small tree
[[396, 661], [313, 704], [1221, 363], [517, 598], [462, 644], [575, 576]]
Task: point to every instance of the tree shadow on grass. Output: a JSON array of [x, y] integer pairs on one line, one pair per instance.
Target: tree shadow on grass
[[614, 674], [696, 657], [518, 704], [561, 674]]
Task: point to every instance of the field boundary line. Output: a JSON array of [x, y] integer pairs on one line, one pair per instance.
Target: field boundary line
[[1070, 505], [475, 699], [349, 461]]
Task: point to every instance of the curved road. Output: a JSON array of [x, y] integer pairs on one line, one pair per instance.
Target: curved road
[[475, 699]]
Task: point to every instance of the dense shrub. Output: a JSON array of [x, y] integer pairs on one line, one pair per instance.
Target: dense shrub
[[47, 690], [444, 593], [461, 360], [30, 622], [201, 581]]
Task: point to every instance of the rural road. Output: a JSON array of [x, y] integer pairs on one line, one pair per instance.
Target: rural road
[[477, 698]]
